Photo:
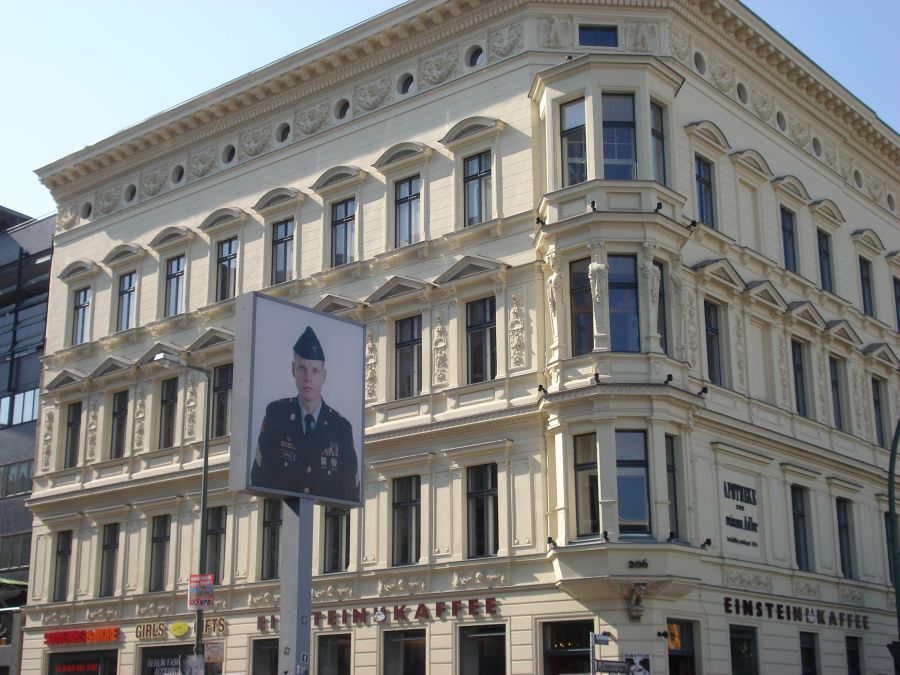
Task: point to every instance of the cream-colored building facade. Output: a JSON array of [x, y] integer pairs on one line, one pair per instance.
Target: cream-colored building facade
[[629, 279]]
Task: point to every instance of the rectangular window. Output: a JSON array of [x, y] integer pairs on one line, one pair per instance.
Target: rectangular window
[[408, 357], [633, 482], [477, 188], [20, 408], [672, 485], [798, 358], [333, 654], [865, 282], [789, 239], [582, 307], [624, 328], [337, 540], [567, 647], [598, 36], [175, 285], [221, 411], [126, 310], [744, 659], [801, 527], [680, 643], [826, 267], [404, 652], [168, 401], [658, 138], [108, 560], [587, 489], [809, 663], [119, 424], [853, 646], [271, 536], [482, 650], [706, 213], [343, 232], [572, 142], [282, 250], [878, 412], [481, 339], [662, 310], [18, 478], [61, 569], [837, 404], [713, 342], [845, 536], [73, 434], [159, 552], [226, 269], [408, 229], [15, 551], [265, 657], [619, 149], [215, 542], [81, 305], [482, 510], [406, 523]]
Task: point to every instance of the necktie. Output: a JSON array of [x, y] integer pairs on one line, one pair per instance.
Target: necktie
[[308, 424]]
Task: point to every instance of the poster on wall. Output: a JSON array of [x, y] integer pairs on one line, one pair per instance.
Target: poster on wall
[[638, 662], [201, 593], [298, 402]]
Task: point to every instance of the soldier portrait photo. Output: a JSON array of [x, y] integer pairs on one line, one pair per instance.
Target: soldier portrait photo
[[304, 421]]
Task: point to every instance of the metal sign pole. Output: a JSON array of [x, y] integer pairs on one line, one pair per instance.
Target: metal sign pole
[[296, 586]]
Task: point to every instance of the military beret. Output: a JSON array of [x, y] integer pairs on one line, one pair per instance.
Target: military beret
[[308, 346]]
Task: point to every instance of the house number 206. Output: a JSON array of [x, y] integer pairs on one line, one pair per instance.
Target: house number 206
[[638, 564]]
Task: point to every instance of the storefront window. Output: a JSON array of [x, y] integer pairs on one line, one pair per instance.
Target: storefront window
[[567, 647], [404, 652], [334, 654], [681, 647], [95, 663], [482, 650], [265, 657], [172, 660]]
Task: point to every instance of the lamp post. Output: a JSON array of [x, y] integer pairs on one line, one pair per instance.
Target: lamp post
[[894, 647], [170, 361]]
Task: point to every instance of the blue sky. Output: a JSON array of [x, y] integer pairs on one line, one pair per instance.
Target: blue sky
[[77, 72]]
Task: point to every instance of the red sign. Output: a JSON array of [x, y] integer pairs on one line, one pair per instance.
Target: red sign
[[78, 637]]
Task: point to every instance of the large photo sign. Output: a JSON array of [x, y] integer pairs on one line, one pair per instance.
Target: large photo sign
[[298, 402]]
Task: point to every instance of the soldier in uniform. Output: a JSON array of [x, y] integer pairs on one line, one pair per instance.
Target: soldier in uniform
[[305, 445]]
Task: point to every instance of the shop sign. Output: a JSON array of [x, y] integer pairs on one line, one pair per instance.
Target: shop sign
[[214, 652], [435, 611], [795, 613], [200, 592], [157, 630], [151, 631], [741, 511], [638, 662], [179, 628], [79, 637]]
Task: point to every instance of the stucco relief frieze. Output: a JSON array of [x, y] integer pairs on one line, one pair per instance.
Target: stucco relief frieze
[[153, 180], [478, 578], [874, 187], [555, 32], [373, 94], [139, 420], [829, 152], [312, 119], [91, 445], [333, 591], [255, 141], [504, 42], [846, 165], [517, 329], [853, 596], [402, 585], [102, 613], [763, 104], [680, 43], [641, 36], [56, 618], [108, 199], [864, 423], [740, 350], [190, 409], [201, 162], [153, 608], [807, 589], [784, 367], [435, 69], [755, 582], [693, 343], [65, 218], [264, 598], [800, 130], [371, 363], [47, 438], [722, 75], [823, 384], [439, 349]]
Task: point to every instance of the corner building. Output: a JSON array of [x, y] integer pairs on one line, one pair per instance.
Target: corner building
[[630, 282]]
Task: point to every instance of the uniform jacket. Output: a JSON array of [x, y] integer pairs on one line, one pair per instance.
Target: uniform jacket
[[324, 464]]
